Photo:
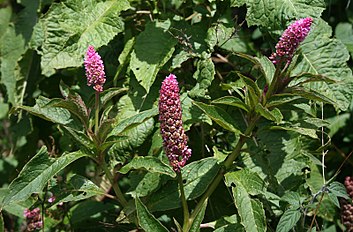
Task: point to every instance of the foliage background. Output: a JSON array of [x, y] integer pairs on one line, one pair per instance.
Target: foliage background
[[42, 44]]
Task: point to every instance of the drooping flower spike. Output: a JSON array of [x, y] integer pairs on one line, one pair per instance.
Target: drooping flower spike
[[290, 40], [94, 69], [172, 131]]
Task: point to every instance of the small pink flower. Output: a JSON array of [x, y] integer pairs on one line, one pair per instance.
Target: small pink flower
[[290, 40], [172, 131], [94, 69], [33, 219]]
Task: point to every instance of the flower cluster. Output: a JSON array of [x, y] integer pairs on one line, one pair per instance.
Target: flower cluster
[[170, 117], [33, 219], [94, 69], [346, 207], [290, 40]]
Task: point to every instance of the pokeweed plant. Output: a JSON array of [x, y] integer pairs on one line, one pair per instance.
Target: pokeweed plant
[[241, 141]]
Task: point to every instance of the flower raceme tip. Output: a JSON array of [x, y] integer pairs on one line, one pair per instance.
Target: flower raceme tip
[[290, 40], [94, 69], [171, 124]]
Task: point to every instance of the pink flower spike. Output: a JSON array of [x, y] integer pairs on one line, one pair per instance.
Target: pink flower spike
[[290, 40], [172, 131], [94, 69]]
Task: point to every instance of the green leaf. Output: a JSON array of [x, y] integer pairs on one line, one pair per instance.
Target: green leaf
[[143, 183], [36, 173], [250, 210], [280, 99], [204, 76], [81, 139], [343, 32], [2, 226], [75, 189], [15, 57], [74, 104], [250, 84], [197, 176], [195, 227], [231, 101], [133, 121], [304, 131], [108, 94], [220, 116], [52, 114], [333, 65], [272, 13], [146, 220], [288, 220], [63, 45], [125, 56], [273, 115], [149, 163], [310, 94], [250, 180], [153, 48], [338, 189]]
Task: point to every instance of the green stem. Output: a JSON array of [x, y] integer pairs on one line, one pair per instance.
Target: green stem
[[118, 193], [226, 165], [96, 106], [183, 201]]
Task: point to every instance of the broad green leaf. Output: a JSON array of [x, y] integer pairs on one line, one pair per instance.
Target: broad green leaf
[[304, 131], [144, 183], [74, 104], [231, 101], [196, 175], [280, 99], [80, 138], [108, 94], [52, 114], [149, 163], [125, 56], [250, 210], [273, 13], [309, 77], [310, 94], [204, 76], [133, 121], [343, 32], [36, 173], [195, 227], [338, 189], [273, 115], [2, 228], [63, 45], [153, 48], [252, 182], [146, 220], [220, 116], [15, 58], [337, 122], [75, 189], [293, 198], [333, 65], [288, 220]]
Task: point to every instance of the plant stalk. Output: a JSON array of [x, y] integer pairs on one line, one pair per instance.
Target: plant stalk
[[96, 106], [183, 201], [226, 165], [119, 195]]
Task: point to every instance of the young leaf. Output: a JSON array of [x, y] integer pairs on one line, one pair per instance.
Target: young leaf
[[146, 220], [80, 138], [153, 48], [231, 101], [288, 220], [204, 76], [61, 45], [273, 115], [108, 94], [36, 173], [220, 116], [149, 163]]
